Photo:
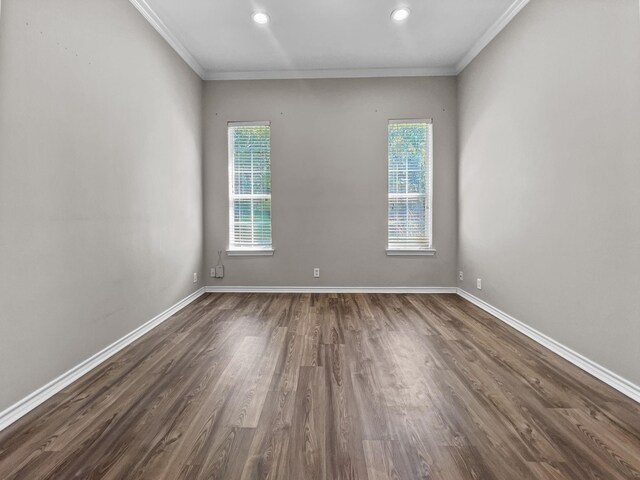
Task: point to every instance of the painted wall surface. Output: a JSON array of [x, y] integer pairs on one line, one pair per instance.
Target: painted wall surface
[[549, 174], [329, 179], [100, 183]]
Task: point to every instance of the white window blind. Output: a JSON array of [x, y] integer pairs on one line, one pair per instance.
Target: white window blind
[[410, 181], [249, 186]]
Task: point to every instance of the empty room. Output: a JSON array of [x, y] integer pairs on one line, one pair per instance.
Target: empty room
[[296, 240]]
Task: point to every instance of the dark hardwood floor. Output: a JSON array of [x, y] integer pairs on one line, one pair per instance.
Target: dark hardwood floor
[[248, 386]]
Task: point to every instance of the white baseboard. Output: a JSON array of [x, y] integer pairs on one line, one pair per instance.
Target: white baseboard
[[248, 289], [612, 379], [24, 406]]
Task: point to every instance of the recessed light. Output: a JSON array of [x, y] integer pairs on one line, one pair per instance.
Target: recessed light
[[400, 14], [260, 18]]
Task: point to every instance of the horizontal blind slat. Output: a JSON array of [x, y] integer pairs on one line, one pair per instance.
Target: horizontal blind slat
[[408, 184], [250, 185]]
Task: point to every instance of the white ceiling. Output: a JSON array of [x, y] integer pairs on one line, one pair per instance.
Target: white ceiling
[[328, 38]]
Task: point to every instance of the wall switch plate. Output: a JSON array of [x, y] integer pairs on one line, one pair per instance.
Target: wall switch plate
[[479, 284], [219, 271], [195, 278], [461, 275], [316, 273]]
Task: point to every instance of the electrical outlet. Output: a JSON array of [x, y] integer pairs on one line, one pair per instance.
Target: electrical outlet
[[479, 284], [461, 275], [195, 277], [213, 272], [316, 273]]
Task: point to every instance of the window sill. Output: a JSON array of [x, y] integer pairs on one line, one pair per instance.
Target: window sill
[[261, 252], [407, 252]]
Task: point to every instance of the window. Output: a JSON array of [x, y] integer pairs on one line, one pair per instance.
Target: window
[[410, 180], [250, 188]]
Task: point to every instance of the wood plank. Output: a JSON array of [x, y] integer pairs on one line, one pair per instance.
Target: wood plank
[[307, 452], [330, 386]]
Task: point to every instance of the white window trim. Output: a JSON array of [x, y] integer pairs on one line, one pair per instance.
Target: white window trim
[[250, 252], [400, 121], [410, 252], [243, 251], [430, 249]]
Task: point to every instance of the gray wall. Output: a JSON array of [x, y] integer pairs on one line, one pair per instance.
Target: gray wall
[[101, 212], [329, 179], [549, 172], [100, 183]]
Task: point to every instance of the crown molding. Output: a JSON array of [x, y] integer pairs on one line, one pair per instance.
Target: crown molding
[[143, 7], [147, 12], [331, 73], [490, 34]]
